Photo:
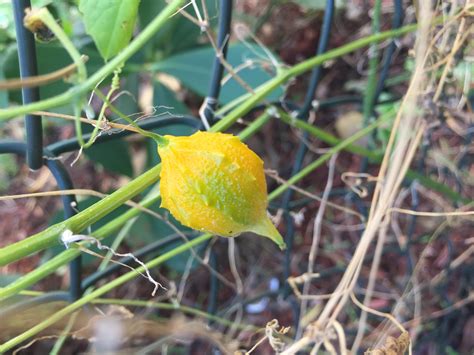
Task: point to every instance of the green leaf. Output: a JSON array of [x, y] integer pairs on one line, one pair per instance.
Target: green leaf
[[6, 279], [110, 23], [178, 34], [3, 93], [7, 24], [113, 156], [127, 103], [8, 168], [193, 69], [164, 97]]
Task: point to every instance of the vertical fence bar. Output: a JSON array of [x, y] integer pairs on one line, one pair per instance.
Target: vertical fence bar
[[303, 113], [28, 67], [64, 182], [210, 105], [211, 101]]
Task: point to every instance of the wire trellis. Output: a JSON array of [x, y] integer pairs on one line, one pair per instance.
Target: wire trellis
[[37, 155]]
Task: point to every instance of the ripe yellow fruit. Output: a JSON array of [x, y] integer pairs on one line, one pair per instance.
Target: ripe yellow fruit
[[214, 183]]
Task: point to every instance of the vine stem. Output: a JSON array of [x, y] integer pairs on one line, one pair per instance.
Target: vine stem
[[157, 305], [323, 158], [372, 155], [158, 138], [287, 74], [45, 16], [113, 87]]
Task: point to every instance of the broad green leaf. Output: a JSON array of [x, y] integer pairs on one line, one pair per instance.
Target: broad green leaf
[[127, 102], [113, 156], [8, 168], [193, 69], [165, 100], [110, 23]]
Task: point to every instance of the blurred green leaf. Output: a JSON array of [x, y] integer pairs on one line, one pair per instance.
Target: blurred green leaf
[[165, 99], [6, 279], [192, 68], [110, 23], [4, 93], [8, 168], [126, 98], [113, 156], [7, 24], [177, 34]]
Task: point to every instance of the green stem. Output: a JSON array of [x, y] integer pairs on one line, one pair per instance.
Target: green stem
[[173, 307], [326, 137], [373, 156], [39, 273], [68, 255], [134, 46], [44, 15], [320, 161], [113, 87], [255, 126], [159, 139], [158, 305]]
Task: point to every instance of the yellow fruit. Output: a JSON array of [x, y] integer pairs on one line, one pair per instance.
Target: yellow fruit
[[214, 183]]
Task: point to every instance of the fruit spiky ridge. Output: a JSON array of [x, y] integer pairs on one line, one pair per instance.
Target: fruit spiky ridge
[[213, 182]]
